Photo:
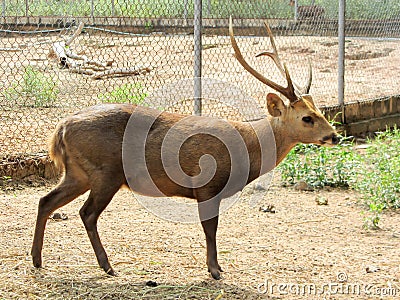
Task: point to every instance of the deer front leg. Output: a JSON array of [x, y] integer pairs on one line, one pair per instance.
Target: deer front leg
[[208, 212]]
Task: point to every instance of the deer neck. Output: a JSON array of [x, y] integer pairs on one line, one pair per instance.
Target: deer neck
[[283, 139], [274, 140]]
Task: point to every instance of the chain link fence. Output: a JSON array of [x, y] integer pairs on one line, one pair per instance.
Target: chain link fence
[[133, 51]]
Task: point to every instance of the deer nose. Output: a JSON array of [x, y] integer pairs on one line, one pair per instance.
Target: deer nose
[[335, 139]]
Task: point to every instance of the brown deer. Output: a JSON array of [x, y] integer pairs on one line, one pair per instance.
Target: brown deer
[[89, 147]]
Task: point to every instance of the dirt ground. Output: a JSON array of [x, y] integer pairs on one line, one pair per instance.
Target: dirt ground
[[302, 251], [371, 71]]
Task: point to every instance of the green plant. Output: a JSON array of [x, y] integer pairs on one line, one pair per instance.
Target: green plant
[[35, 89], [320, 166], [126, 93], [374, 171], [379, 176]]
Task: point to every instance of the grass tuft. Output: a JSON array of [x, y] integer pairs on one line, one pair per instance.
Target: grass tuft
[[35, 89], [127, 93], [373, 170]]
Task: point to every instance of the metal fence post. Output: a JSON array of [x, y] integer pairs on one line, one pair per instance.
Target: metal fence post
[[208, 8], [26, 8], [197, 56], [92, 10], [3, 8], [342, 36], [113, 8], [185, 9]]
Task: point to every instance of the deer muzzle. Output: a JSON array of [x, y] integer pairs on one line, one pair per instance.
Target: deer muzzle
[[332, 139]]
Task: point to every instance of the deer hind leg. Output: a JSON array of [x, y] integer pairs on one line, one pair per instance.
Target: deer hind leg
[[100, 196], [208, 212], [68, 189]]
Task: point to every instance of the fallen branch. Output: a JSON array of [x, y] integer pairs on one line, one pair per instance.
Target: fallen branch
[[81, 71], [122, 72], [81, 64], [73, 55], [58, 52], [75, 35]]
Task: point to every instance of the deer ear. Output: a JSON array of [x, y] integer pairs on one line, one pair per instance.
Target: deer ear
[[275, 105]]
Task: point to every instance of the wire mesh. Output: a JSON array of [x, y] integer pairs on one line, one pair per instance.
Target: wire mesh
[[36, 91]]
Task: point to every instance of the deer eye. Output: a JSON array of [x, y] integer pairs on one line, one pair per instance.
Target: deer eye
[[308, 119]]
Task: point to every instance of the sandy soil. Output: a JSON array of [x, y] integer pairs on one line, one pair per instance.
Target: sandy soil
[[371, 71], [302, 248]]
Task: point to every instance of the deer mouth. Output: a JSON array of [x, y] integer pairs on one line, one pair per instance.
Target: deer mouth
[[329, 140], [325, 143]]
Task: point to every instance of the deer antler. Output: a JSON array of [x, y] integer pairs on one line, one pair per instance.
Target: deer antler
[[275, 57], [288, 91]]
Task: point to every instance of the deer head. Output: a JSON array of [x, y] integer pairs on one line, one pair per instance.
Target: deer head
[[299, 121]]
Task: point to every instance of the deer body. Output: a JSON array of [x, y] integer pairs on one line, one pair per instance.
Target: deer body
[[73, 144], [93, 145]]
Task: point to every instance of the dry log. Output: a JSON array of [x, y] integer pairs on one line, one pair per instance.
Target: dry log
[[96, 63], [84, 66], [58, 52], [122, 72], [75, 35], [73, 55], [81, 64], [81, 71]]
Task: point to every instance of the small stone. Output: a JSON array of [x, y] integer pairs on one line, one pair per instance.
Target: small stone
[[258, 187], [59, 217], [270, 208], [321, 201], [303, 186], [372, 269], [151, 283]]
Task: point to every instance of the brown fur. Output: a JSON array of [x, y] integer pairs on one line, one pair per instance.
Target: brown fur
[[88, 145]]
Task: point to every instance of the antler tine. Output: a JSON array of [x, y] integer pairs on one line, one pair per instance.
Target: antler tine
[[288, 91], [275, 57], [274, 54], [310, 77]]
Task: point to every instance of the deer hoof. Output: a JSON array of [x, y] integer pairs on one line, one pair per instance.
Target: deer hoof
[[215, 274], [111, 272], [37, 262]]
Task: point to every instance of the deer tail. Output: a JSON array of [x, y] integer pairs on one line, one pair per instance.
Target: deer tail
[[57, 148]]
